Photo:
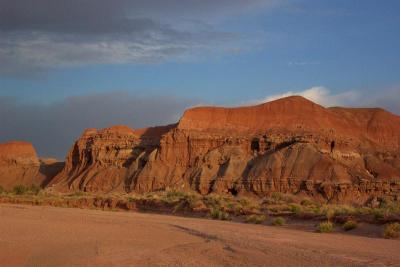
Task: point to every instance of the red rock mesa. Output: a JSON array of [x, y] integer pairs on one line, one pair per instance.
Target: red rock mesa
[[290, 145]]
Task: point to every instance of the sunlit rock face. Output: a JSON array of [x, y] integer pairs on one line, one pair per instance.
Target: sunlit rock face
[[19, 165], [289, 145]]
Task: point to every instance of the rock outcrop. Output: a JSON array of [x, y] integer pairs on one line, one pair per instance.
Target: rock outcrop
[[19, 165], [289, 145]]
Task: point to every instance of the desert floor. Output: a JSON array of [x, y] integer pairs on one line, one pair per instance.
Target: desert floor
[[49, 236]]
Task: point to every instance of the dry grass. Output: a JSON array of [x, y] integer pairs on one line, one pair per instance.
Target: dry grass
[[279, 221], [256, 219], [392, 231], [216, 206], [325, 227], [349, 225]]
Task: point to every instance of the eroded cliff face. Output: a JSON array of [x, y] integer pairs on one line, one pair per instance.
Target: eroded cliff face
[[19, 165], [106, 160], [290, 145]]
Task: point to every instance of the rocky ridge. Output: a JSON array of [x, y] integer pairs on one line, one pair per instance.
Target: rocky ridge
[[290, 145]]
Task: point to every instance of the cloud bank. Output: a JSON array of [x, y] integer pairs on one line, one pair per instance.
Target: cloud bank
[[37, 35]]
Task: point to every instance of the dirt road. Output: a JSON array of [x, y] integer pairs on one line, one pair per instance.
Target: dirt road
[[48, 236]]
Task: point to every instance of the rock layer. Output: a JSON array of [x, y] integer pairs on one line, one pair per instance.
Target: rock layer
[[289, 145]]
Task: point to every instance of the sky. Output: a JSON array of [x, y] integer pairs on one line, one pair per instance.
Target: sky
[[67, 65]]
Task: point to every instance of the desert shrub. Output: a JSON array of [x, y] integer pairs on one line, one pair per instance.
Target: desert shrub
[[218, 214], [76, 194], [132, 199], [390, 206], [276, 196], [362, 210], [2, 190], [19, 190], [34, 189], [256, 219], [325, 227], [188, 202], [392, 230], [349, 225], [306, 202], [278, 221], [244, 201], [378, 213], [213, 201], [295, 208], [344, 210], [279, 198], [174, 195]]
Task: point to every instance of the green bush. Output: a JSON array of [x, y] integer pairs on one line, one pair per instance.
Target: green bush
[[349, 225], [306, 202], [175, 195], [279, 221], [295, 208], [256, 219], [325, 227], [218, 214], [20, 190], [392, 230], [378, 213], [24, 190]]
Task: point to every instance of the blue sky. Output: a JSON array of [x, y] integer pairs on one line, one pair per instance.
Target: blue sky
[[198, 52]]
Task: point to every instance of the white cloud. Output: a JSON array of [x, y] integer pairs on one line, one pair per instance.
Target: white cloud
[[320, 95], [387, 98]]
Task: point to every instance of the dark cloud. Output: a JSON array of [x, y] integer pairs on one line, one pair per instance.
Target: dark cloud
[[43, 34], [53, 128]]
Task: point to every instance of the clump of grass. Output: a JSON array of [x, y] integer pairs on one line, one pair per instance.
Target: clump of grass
[[306, 202], [325, 227], [344, 210], [392, 230], [19, 190], [132, 199], [213, 201], [278, 221], [349, 225], [218, 214], [24, 190], [174, 195], [296, 209], [256, 219]]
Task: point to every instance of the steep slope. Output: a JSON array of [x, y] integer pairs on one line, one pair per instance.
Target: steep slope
[[19, 165], [290, 145]]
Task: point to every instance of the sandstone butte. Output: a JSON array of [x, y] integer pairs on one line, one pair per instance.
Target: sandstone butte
[[290, 145], [19, 165]]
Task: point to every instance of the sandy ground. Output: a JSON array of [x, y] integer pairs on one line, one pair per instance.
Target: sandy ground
[[48, 236]]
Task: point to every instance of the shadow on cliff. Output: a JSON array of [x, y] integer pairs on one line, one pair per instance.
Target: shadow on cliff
[[49, 171], [149, 141]]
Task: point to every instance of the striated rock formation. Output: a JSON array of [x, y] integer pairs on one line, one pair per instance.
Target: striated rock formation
[[105, 160], [289, 145], [19, 165]]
